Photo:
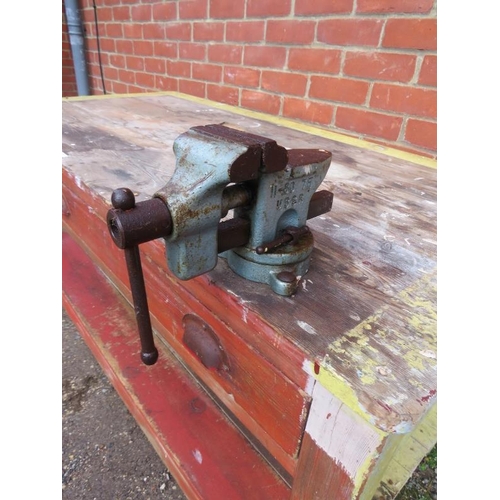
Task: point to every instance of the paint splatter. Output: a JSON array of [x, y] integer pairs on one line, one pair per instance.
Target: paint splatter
[[197, 456], [307, 327]]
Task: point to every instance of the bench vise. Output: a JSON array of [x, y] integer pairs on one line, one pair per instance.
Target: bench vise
[[220, 171]]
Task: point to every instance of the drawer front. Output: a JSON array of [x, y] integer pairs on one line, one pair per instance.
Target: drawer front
[[271, 407], [268, 404]]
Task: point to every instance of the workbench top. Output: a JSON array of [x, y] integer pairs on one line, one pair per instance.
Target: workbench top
[[364, 317]]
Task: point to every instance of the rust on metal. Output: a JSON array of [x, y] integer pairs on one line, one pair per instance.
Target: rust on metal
[[232, 233], [290, 234], [204, 343], [132, 223], [271, 156]]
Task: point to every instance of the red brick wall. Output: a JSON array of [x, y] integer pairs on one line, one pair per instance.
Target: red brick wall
[[68, 73], [362, 67]]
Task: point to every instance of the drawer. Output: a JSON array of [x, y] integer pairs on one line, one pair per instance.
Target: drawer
[[267, 403]]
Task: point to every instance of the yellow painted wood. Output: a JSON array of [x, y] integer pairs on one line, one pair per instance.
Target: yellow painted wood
[[400, 457], [285, 122]]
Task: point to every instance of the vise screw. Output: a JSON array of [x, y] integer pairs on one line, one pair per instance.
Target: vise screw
[[270, 190]]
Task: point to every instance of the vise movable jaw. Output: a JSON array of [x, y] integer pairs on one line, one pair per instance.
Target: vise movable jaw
[[271, 190]]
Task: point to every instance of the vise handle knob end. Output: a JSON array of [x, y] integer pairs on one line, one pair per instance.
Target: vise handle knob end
[[123, 199]]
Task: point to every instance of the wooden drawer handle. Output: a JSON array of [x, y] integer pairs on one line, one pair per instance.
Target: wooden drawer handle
[[204, 343]]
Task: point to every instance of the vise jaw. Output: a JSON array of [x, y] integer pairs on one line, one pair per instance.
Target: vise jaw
[[270, 190], [219, 168]]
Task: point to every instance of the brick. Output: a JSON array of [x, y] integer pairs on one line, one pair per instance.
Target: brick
[[315, 60], [290, 31], [143, 48], [145, 80], [227, 8], [420, 34], [104, 14], [368, 122], [67, 71], [107, 45], [154, 65], [179, 68], [87, 14], [178, 31], [428, 71], [193, 9], [225, 53], [245, 31], [118, 88], [165, 83], [114, 30], [188, 50], [91, 44], [361, 32], [241, 76], [164, 11], [110, 73], [380, 66], [421, 133], [402, 99], [153, 31], [306, 110], [136, 63], [272, 57], [394, 6], [124, 46], [208, 31], [132, 31], [142, 12], [165, 49], [207, 72], [192, 88], [260, 101], [265, 8], [285, 82], [320, 7], [134, 89], [126, 76], [121, 13], [338, 89], [219, 93], [117, 61]]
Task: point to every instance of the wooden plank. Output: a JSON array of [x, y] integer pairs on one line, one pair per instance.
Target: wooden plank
[[208, 457]]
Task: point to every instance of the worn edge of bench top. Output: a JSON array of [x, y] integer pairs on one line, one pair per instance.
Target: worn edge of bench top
[[413, 297]]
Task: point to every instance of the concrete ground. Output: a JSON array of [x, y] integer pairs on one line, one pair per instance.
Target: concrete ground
[[105, 455]]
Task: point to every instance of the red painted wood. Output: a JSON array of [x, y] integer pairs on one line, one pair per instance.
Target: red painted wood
[[320, 477], [267, 403], [205, 453]]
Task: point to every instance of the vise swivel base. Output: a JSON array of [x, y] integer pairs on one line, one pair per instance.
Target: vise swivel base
[[270, 190]]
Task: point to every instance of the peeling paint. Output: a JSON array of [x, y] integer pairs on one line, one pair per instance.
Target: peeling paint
[[307, 327], [198, 456]]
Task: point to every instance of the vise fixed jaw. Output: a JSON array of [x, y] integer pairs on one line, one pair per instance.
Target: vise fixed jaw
[[271, 191], [210, 159]]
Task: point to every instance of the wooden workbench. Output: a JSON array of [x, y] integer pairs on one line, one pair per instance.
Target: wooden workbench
[[330, 393]]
